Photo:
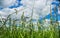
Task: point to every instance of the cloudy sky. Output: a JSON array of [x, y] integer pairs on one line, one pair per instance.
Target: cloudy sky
[[41, 8]]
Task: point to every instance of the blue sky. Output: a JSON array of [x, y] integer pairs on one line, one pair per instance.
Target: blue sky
[[18, 4], [15, 6], [28, 3], [57, 11]]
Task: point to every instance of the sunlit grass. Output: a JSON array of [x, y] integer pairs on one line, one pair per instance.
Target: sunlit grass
[[26, 29]]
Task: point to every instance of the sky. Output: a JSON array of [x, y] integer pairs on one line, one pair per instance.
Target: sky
[[41, 8]]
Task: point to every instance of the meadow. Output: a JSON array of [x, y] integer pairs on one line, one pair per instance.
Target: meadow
[[26, 29]]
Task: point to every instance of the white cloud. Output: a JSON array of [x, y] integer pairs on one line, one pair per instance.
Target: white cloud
[[5, 12], [6, 3], [2, 15], [40, 9], [37, 3]]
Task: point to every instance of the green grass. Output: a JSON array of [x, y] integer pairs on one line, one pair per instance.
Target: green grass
[[26, 29]]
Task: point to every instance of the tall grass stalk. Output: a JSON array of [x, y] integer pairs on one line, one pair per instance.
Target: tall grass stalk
[[10, 29]]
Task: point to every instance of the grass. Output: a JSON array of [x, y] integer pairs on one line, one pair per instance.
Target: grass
[[26, 29]]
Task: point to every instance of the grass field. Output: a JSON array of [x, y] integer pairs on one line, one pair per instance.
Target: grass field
[[26, 29]]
